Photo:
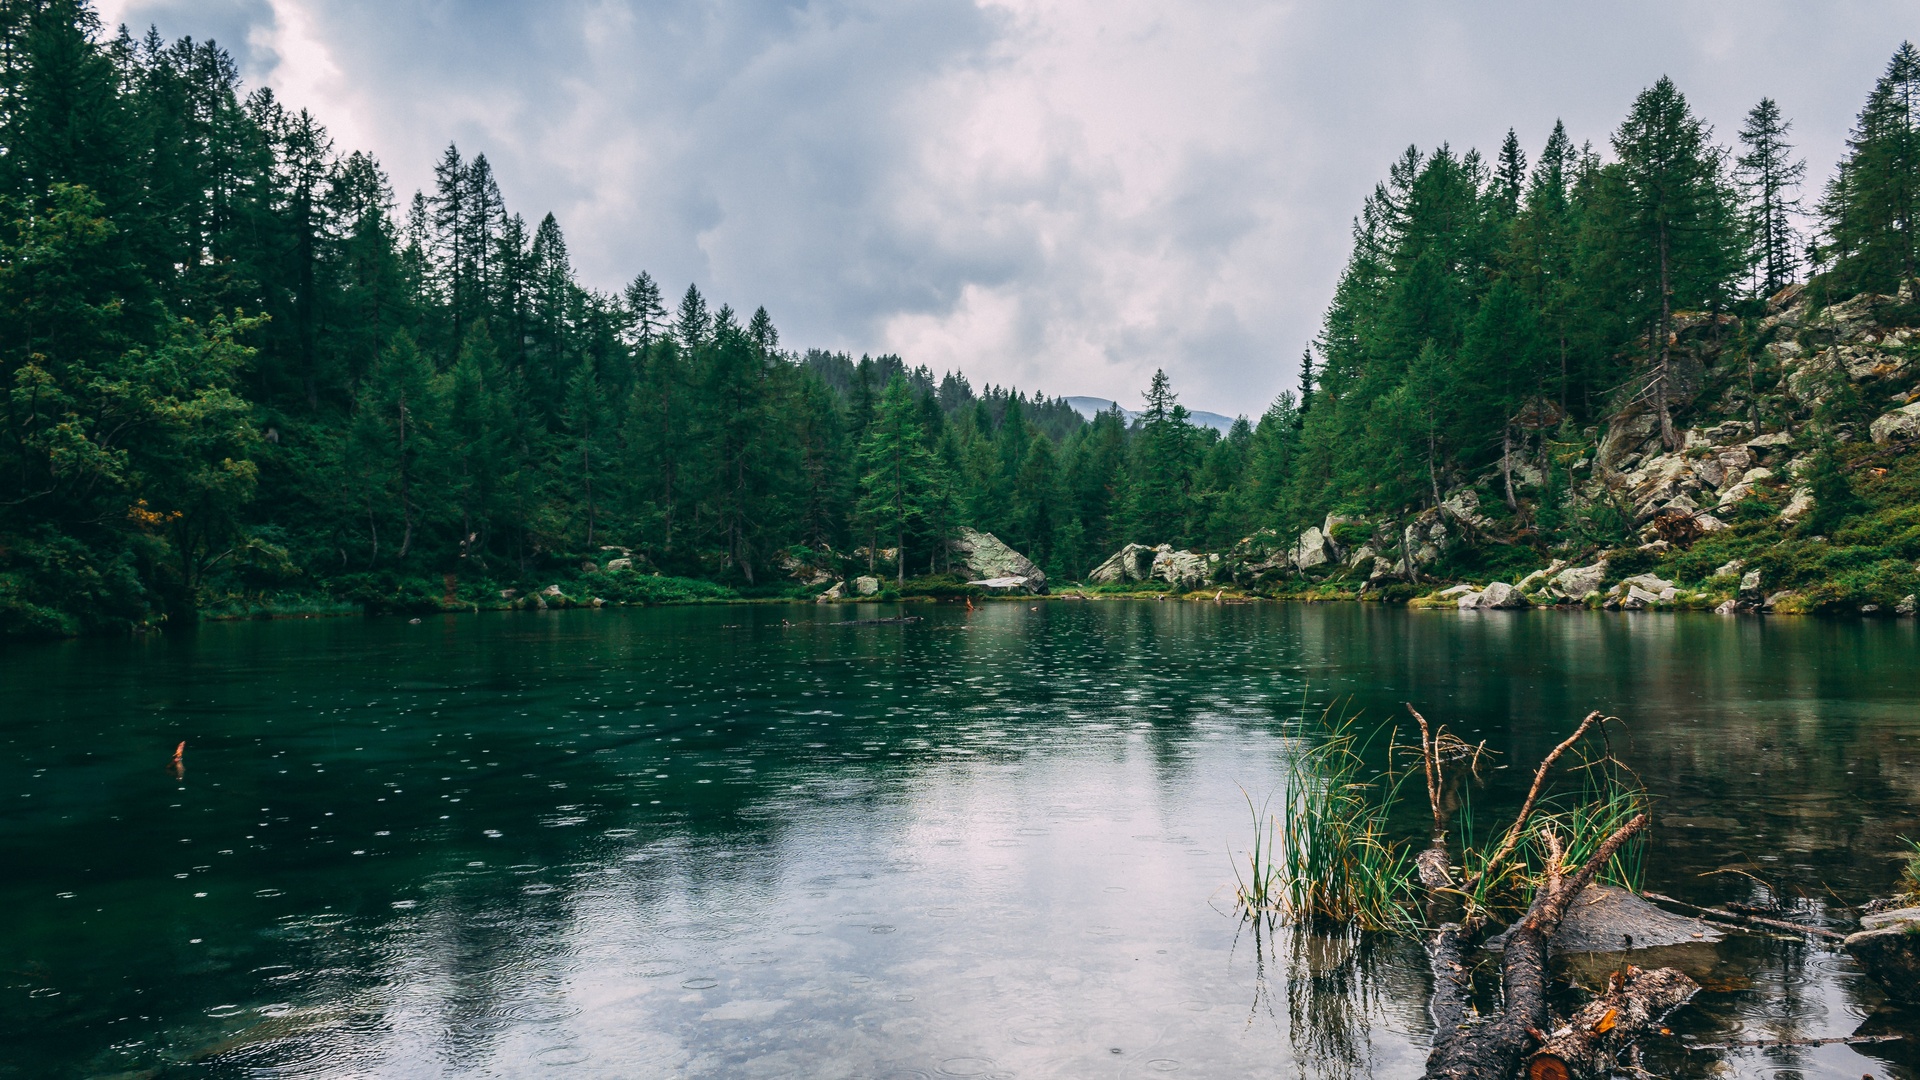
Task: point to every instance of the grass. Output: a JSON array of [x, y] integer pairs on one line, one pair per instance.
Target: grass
[[1328, 855], [1332, 856], [1910, 875]]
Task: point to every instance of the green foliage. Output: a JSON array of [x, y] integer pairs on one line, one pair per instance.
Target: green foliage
[[1328, 856], [236, 369]]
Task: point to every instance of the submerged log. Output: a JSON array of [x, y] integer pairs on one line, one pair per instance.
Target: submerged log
[[1590, 1043]]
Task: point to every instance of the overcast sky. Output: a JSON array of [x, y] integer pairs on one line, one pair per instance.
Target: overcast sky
[[1062, 195]]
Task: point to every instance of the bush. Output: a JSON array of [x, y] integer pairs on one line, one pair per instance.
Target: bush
[[627, 587]]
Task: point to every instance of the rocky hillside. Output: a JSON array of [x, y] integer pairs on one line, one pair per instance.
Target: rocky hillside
[[1791, 484]]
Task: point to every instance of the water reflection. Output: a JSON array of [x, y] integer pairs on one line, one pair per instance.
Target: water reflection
[[744, 842]]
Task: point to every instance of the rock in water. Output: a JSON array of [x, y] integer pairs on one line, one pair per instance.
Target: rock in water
[[1605, 919], [986, 558], [1888, 948]]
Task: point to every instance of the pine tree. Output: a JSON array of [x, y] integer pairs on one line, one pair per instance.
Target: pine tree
[[1770, 174], [1871, 204], [894, 464], [1679, 241], [396, 434]]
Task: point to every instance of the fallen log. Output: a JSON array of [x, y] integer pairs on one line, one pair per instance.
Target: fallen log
[[1737, 919], [1493, 1050], [1590, 1043]]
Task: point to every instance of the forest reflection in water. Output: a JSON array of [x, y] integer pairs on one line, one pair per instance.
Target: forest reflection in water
[[740, 841]]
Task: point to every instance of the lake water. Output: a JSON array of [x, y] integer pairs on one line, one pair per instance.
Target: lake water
[[748, 842]]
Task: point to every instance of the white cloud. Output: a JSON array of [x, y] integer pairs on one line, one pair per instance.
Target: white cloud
[[1059, 194]]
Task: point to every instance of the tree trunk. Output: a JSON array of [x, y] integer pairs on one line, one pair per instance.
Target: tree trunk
[[1660, 371], [1506, 464], [1493, 1050], [1590, 1043]]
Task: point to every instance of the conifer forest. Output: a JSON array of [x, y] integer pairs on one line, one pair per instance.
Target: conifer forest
[[243, 374]]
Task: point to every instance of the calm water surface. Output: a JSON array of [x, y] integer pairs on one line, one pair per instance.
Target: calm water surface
[[745, 842]]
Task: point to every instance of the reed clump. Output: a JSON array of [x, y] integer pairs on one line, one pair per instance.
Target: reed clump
[[1338, 851], [1328, 855]]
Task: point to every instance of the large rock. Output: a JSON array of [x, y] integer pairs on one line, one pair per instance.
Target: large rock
[[1740, 489], [1183, 569], [1900, 425], [1578, 582], [1799, 506], [1313, 549], [1888, 949], [985, 557], [1495, 597], [1131, 563], [866, 586], [1660, 587]]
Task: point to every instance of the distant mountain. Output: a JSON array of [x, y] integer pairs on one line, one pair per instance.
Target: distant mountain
[[1089, 406]]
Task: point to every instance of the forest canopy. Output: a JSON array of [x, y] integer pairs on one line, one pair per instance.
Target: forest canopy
[[236, 364]]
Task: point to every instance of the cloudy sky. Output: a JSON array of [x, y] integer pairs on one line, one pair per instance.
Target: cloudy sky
[[1057, 194]]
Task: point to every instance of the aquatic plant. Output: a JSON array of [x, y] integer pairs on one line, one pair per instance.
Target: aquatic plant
[[1328, 855], [1910, 877]]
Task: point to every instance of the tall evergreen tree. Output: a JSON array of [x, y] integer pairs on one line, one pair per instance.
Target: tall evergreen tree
[[1770, 175], [1871, 204]]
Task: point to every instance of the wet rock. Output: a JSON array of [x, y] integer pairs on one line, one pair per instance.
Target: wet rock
[[1887, 948], [1131, 563], [1727, 607], [984, 556], [1900, 425], [1604, 919]]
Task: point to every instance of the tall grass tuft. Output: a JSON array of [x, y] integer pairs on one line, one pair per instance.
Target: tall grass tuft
[[1327, 857], [1910, 877]]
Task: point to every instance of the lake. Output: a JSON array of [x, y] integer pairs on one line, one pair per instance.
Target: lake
[[755, 841]]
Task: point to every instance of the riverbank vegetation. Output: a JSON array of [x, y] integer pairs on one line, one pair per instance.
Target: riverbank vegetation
[[244, 375]]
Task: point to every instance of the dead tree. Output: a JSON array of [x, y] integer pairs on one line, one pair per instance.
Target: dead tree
[[1588, 1045], [1494, 1049]]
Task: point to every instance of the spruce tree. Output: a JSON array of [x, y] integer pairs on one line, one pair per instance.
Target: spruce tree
[[1870, 205], [1678, 240], [1770, 176], [894, 465]]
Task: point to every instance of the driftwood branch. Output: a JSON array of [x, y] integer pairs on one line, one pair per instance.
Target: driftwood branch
[[1589, 1044], [1519, 827], [1737, 918], [1493, 1051]]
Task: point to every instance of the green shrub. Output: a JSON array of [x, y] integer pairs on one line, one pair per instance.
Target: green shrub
[[628, 587]]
